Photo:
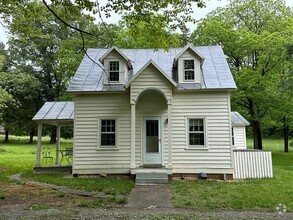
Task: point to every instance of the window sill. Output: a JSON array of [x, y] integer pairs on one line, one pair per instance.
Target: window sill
[[197, 148], [107, 149]]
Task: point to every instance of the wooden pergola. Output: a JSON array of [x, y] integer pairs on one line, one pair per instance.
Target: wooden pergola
[[59, 114]]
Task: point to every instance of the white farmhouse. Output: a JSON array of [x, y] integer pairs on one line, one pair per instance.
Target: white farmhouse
[[139, 111]]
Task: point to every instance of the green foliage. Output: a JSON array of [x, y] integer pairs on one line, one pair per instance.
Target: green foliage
[[139, 34], [254, 35], [22, 101]]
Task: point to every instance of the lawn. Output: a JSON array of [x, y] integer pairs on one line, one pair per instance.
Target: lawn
[[19, 157], [253, 194], [250, 194]]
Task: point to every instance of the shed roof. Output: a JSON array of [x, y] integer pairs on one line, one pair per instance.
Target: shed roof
[[215, 70], [56, 113], [238, 120]]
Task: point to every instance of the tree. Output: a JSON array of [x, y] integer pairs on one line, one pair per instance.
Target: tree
[[254, 36], [43, 47], [24, 101], [139, 34]]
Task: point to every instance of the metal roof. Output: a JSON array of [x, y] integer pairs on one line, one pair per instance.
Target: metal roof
[[238, 120], [215, 70], [55, 112]]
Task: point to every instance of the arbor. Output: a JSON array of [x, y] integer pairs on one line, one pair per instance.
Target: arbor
[[254, 35]]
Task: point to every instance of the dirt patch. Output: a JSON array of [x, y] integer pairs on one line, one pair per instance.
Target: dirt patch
[[27, 195]]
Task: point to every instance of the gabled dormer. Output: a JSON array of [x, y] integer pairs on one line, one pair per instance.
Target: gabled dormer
[[187, 66], [116, 66]]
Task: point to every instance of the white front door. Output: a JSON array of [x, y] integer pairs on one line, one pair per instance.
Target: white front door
[[152, 152]]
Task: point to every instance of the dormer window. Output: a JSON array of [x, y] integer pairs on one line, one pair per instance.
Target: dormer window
[[114, 71], [189, 70]]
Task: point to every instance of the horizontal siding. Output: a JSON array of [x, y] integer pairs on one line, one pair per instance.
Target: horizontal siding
[[239, 137], [89, 108], [213, 106], [150, 78]]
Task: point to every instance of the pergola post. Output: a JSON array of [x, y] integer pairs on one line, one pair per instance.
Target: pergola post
[[39, 144], [132, 163], [58, 144]]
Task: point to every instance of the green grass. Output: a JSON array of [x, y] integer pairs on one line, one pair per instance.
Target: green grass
[[255, 194], [20, 157], [250, 194]]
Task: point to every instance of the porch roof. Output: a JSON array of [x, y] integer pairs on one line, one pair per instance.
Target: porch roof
[[56, 113]]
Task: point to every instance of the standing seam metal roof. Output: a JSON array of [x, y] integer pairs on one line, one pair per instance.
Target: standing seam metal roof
[[238, 120], [215, 70]]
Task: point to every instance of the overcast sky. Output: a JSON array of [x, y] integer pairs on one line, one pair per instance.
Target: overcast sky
[[198, 13]]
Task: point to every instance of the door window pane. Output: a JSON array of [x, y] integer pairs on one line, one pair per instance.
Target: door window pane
[[152, 136]]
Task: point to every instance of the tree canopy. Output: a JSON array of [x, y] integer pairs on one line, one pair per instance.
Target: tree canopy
[[254, 35]]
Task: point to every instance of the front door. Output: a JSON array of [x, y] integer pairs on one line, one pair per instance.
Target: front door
[[152, 152]]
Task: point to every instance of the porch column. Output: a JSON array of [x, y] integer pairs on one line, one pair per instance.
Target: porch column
[[39, 144], [132, 164], [58, 144], [169, 134]]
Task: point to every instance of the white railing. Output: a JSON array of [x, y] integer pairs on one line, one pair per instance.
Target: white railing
[[252, 164]]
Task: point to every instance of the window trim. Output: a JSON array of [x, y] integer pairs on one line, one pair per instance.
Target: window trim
[[194, 74], [99, 135], [201, 147], [109, 71]]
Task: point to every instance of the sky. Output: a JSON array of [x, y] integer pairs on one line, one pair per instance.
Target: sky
[[198, 14]]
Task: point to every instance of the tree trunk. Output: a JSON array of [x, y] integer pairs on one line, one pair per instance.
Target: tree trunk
[[32, 133], [257, 136], [256, 127], [6, 135], [286, 135], [53, 139]]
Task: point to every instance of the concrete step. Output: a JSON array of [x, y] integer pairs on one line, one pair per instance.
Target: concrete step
[[151, 178]]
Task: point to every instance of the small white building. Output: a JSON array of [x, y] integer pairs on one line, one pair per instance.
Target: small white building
[[239, 124]]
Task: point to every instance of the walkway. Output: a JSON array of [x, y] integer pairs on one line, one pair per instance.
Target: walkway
[[150, 196]]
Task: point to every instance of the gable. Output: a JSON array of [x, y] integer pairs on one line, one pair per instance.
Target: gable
[[150, 78], [187, 74]]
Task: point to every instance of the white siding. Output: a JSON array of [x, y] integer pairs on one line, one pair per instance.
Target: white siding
[[150, 102], [239, 137], [151, 91], [88, 158], [216, 157], [150, 78]]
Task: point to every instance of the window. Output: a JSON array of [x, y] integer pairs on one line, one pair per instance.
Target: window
[[188, 70], [114, 71], [196, 132], [232, 136], [108, 133]]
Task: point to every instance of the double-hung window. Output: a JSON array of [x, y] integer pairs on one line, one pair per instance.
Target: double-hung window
[[189, 70], [108, 131], [114, 71], [196, 132]]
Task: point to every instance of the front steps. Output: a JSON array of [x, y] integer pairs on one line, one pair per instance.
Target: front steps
[[144, 176]]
